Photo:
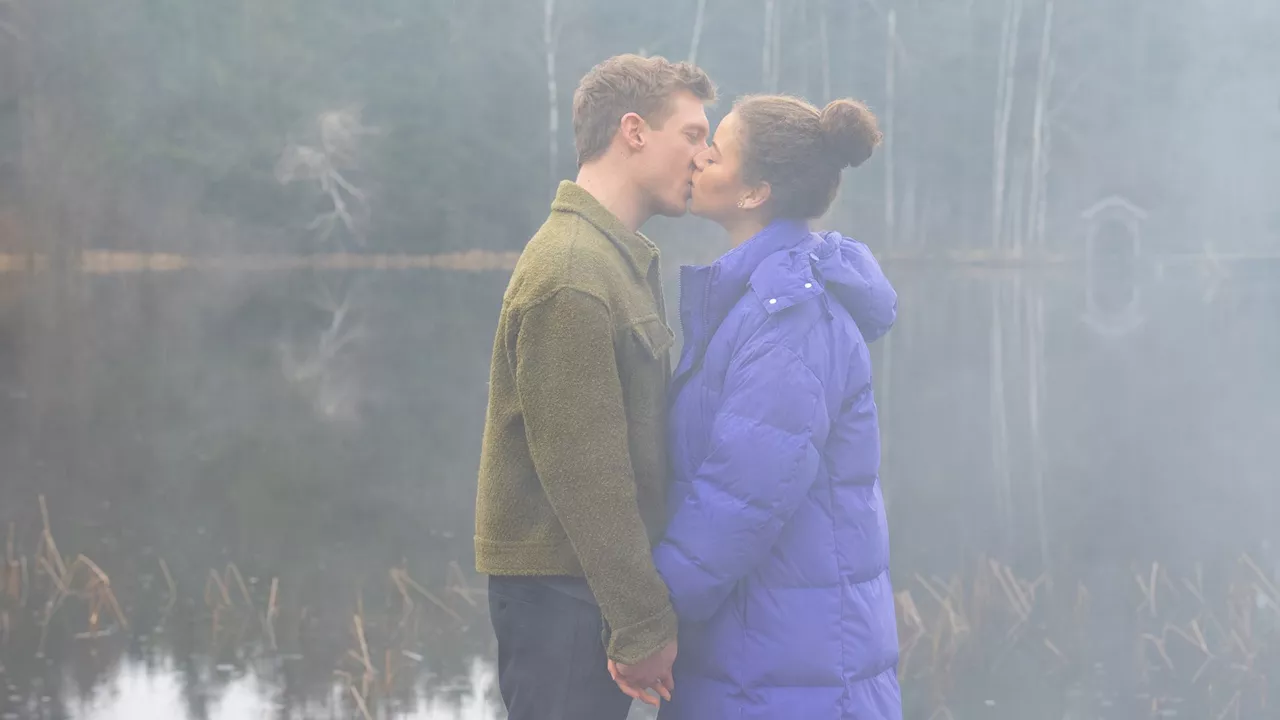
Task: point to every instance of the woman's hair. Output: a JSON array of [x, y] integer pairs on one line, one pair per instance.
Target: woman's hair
[[801, 150]]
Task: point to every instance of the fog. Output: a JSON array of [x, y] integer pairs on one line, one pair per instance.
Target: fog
[[252, 254]]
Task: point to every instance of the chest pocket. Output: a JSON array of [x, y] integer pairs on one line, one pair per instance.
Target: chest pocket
[[654, 337]]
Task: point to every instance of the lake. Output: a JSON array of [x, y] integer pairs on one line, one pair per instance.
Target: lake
[[237, 493]]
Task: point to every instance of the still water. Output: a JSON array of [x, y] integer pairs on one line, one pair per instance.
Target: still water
[[141, 691], [260, 489]]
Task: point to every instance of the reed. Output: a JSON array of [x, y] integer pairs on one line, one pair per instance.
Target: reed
[[985, 627]]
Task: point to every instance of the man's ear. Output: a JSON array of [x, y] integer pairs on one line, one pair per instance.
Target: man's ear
[[756, 196], [632, 128]]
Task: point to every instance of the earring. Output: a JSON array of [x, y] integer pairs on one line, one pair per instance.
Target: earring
[[742, 204]]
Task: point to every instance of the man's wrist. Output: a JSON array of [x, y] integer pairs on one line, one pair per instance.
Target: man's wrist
[[637, 642]]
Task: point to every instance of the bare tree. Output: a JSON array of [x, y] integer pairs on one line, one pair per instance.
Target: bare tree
[[699, 18], [324, 163], [890, 90], [766, 53], [1035, 394], [824, 44], [1005, 85], [1040, 141], [1000, 409], [549, 41], [1037, 207], [321, 369]]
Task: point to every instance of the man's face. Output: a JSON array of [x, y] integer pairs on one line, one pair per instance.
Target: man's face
[[666, 163]]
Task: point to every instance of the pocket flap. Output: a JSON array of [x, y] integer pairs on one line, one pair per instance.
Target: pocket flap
[[654, 335]]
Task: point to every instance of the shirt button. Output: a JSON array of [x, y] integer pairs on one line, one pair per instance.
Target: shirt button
[[813, 257], [773, 301], [808, 285]]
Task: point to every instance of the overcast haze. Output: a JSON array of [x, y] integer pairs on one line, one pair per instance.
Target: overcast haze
[[253, 254]]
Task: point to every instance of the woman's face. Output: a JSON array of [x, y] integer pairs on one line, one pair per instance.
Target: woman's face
[[717, 173]]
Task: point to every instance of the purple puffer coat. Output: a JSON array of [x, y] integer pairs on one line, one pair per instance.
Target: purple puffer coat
[[777, 552]]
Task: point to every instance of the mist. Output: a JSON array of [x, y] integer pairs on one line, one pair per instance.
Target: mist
[[251, 261]]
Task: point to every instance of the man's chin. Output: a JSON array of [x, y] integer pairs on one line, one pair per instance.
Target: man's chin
[[674, 211], [693, 208]]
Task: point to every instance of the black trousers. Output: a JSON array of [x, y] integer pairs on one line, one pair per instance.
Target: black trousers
[[551, 659]]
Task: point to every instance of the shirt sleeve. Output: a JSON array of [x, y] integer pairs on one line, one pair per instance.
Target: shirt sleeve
[[576, 425]]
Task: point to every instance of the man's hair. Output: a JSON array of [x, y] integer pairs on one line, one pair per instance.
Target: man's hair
[[630, 84]]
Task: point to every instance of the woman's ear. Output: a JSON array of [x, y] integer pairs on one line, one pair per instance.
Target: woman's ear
[[756, 197]]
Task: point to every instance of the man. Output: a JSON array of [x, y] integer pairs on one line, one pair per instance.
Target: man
[[573, 466]]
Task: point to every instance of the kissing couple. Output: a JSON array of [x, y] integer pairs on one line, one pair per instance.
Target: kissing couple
[[710, 540]]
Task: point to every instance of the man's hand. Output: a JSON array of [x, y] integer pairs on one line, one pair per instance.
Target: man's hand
[[652, 673]]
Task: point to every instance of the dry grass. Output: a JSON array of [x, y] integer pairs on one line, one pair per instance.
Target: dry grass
[[988, 624], [1220, 646], [43, 587], [378, 664]]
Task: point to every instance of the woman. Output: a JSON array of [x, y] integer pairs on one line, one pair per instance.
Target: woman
[[777, 550]]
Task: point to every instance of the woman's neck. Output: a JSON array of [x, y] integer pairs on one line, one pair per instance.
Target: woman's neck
[[743, 229]]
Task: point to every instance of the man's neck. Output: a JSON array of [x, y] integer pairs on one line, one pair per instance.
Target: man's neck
[[615, 191]]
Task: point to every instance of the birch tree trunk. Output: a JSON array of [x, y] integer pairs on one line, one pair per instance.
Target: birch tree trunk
[[553, 95], [766, 69], [807, 65], [1005, 86], [776, 52], [1000, 414], [1035, 394], [825, 48], [890, 91], [884, 391], [698, 19], [1039, 132]]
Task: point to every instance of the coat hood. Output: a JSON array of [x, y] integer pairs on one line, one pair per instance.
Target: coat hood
[[842, 268]]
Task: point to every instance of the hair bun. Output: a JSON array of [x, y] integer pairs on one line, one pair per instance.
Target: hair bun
[[851, 131]]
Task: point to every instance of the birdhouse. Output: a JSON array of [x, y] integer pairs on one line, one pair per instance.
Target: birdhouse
[[1113, 247]]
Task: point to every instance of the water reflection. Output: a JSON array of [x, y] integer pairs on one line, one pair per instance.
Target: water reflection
[[1072, 508], [155, 692]]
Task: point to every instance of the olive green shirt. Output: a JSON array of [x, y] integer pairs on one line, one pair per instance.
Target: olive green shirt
[[573, 469]]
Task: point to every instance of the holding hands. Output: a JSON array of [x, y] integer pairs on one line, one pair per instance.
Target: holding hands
[[652, 673]]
